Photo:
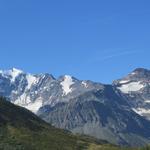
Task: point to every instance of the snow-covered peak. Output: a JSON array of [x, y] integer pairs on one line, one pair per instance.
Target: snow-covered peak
[[13, 73], [16, 70], [138, 75], [66, 84]]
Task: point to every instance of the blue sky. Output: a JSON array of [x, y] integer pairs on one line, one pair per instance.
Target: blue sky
[[100, 40]]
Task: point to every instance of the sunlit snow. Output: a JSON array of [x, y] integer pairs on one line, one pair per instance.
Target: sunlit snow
[[31, 80], [131, 87], [34, 107], [141, 111], [66, 84], [84, 84], [123, 81], [13, 73], [22, 100], [26, 102], [147, 101]]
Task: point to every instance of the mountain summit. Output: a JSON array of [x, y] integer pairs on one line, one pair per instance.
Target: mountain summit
[[136, 87], [139, 70], [12, 73]]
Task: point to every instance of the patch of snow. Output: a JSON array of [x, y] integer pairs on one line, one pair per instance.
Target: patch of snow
[[66, 84], [36, 92], [147, 101], [22, 100], [84, 84], [15, 92], [131, 87], [45, 87], [123, 81], [31, 79], [133, 73], [34, 106], [13, 73], [141, 111]]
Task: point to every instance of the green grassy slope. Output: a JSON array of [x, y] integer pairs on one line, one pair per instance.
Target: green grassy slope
[[22, 130]]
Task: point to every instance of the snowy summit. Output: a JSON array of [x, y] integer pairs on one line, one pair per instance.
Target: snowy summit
[[13, 73]]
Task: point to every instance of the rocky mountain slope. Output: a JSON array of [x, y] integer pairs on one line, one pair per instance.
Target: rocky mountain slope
[[21, 130], [118, 113], [102, 114], [136, 87]]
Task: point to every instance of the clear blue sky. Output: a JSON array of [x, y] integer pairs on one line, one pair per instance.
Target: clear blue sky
[[100, 40]]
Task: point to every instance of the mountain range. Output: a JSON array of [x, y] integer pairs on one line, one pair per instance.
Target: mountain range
[[118, 113]]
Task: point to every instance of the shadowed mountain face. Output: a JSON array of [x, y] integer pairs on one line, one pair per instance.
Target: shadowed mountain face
[[114, 112]]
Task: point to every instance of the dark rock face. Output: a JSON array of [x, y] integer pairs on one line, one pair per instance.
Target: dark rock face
[[118, 113]]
